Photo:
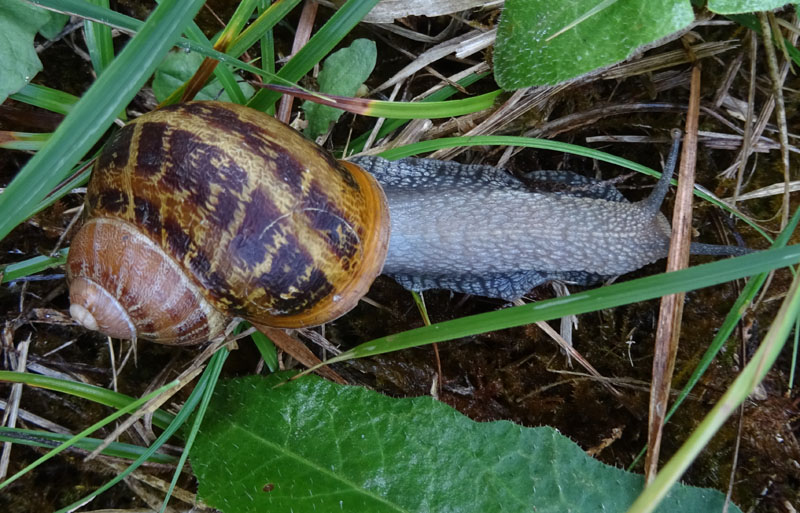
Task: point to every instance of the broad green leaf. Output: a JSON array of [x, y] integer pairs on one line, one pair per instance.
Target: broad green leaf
[[178, 67], [532, 50], [342, 74], [19, 23], [310, 446], [742, 6], [54, 25]]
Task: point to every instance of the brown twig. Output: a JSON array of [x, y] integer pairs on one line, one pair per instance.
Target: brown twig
[[780, 115], [573, 353], [748, 121], [671, 310], [298, 351], [304, 27], [12, 409]]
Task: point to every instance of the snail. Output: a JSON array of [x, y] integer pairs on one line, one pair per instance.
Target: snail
[[203, 211]]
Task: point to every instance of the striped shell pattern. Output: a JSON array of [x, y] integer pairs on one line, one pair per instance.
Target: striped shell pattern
[[203, 211]]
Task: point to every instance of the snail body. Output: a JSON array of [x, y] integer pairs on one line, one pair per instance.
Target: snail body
[[205, 210], [476, 229]]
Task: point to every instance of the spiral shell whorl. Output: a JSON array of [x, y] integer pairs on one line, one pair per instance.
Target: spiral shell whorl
[[268, 226], [126, 285], [94, 308]]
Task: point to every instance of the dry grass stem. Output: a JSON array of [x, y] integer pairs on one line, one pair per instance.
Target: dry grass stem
[[11, 412], [413, 35], [36, 420], [159, 485], [731, 73], [305, 27], [777, 91], [765, 192], [748, 124], [671, 311], [424, 59], [573, 353], [481, 67], [667, 59], [299, 352], [520, 102], [476, 44], [149, 407], [319, 339]]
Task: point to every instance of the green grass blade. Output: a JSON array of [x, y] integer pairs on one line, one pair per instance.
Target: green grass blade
[[239, 19], [78, 178], [641, 289], [93, 12], [177, 422], [266, 349], [267, 44], [233, 27], [94, 112], [230, 84], [46, 98], [334, 30], [213, 371], [403, 110], [83, 434], [23, 141], [33, 265], [46, 439], [728, 325], [740, 389], [223, 72], [98, 41], [266, 20], [93, 393], [393, 124], [132, 26]]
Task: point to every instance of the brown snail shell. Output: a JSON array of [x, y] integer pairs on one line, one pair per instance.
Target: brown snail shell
[[203, 211]]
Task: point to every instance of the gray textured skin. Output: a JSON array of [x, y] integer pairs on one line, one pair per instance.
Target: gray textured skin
[[476, 229]]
